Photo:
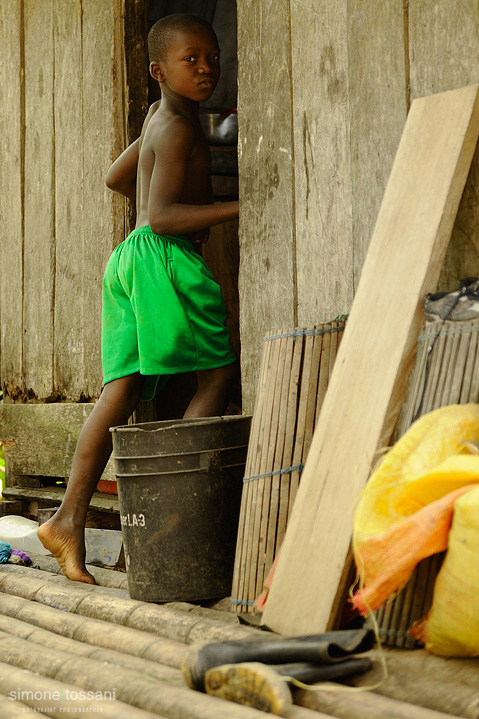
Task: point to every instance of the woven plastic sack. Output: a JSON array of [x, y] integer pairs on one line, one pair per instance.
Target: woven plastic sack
[[452, 626], [405, 511]]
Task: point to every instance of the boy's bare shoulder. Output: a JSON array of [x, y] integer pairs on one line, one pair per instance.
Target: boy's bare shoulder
[[167, 129]]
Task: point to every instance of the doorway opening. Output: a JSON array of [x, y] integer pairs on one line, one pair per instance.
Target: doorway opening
[[219, 121]]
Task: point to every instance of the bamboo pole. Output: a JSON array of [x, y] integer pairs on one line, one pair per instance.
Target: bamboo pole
[[423, 663], [10, 709], [104, 577], [152, 618], [129, 687], [469, 369], [94, 631], [438, 694], [45, 638], [288, 446], [61, 581], [185, 607], [363, 705], [254, 449], [279, 483], [39, 692], [261, 484]]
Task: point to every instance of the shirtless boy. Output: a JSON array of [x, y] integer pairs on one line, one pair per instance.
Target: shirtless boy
[[162, 311]]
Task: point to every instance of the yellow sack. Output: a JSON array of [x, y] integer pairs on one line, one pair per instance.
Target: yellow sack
[[452, 626], [405, 511]]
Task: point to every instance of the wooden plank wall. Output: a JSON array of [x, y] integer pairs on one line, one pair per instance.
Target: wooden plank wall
[[324, 87], [266, 182], [61, 126], [444, 54], [12, 113]]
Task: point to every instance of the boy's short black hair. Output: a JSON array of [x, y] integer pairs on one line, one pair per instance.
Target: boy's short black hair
[[163, 31]]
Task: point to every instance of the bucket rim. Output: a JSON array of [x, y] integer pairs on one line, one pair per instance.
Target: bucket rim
[[170, 455], [161, 425]]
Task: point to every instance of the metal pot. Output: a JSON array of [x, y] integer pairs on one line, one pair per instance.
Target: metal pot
[[220, 128]]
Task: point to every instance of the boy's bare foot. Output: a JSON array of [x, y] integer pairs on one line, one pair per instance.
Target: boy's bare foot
[[67, 548]]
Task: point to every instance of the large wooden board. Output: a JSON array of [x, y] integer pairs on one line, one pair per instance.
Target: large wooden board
[[374, 361]]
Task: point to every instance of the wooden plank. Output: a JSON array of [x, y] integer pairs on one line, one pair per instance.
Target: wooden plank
[[42, 438], [377, 109], [376, 354], [54, 495], [39, 248], [266, 228], [443, 55], [71, 275], [322, 175], [104, 139], [11, 198]]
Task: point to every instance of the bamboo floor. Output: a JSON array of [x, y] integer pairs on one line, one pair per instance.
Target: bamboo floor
[[67, 647]]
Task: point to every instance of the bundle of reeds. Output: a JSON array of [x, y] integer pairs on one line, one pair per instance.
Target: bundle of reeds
[[446, 371], [295, 371]]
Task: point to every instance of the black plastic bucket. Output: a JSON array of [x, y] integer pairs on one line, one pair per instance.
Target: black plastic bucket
[[179, 490]]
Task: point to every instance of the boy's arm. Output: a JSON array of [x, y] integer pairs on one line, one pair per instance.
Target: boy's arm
[[167, 215], [121, 176]]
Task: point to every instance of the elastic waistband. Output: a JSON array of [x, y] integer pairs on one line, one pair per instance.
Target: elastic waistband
[[177, 239]]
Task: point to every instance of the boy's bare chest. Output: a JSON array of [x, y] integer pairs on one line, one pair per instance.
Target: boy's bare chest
[[197, 185]]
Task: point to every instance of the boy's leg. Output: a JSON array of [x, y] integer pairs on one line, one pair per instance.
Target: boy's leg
[[214, 391], [64, 535]]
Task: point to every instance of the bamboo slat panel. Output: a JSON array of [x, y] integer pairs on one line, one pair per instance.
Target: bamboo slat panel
[[294, 375], [446, 371], [452, 374]]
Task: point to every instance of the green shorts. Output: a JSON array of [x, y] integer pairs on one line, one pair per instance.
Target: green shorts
[[162, 312]]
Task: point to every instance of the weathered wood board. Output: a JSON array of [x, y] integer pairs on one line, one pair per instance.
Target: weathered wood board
[[39, 212], [322, 160], [266, 231], [41, 438], [60, 222], [54, 496], [372, 368], [444, 55], [378, 105], [103, 210], [11, 196], [70, 273]]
